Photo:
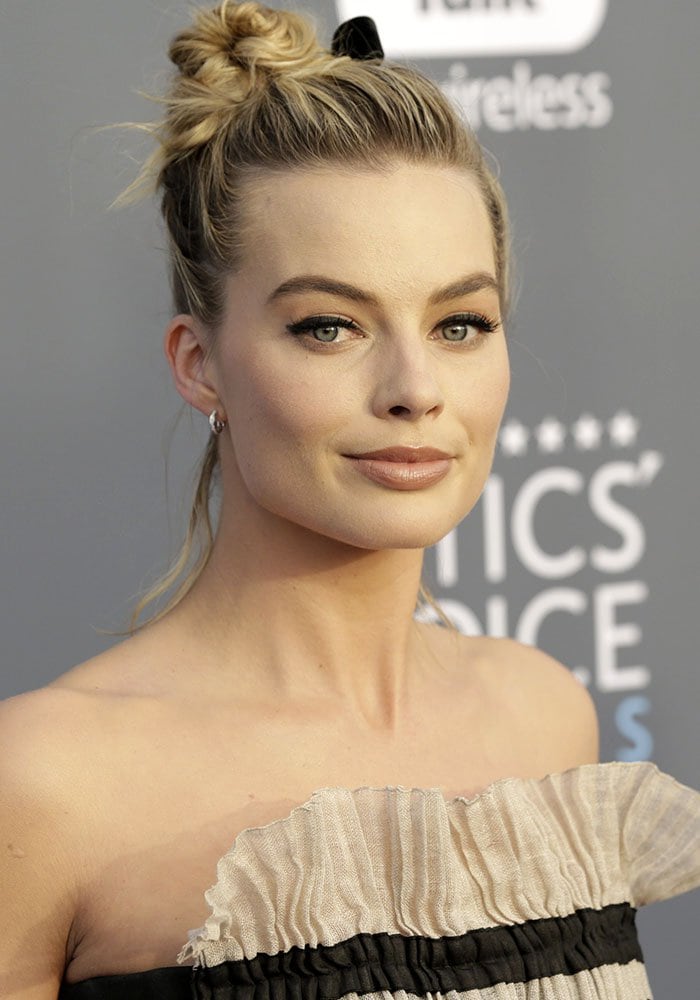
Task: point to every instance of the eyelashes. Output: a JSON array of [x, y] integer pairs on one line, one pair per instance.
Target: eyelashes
[[326, 329], [463, 322]]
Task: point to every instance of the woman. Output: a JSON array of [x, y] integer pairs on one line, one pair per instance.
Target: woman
[[339, 262]]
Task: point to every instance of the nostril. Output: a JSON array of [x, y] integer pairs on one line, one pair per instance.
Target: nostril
[[399, 411]]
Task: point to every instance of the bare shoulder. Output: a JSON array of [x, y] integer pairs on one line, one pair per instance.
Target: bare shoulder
[[32, 728], [40, 848], [536, 670], [52, 748], [43, 738], [554, 709]]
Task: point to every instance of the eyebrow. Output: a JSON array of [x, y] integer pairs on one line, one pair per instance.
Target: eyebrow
[[475, 282]]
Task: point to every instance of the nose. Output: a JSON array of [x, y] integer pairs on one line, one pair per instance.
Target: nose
[[407, 386]]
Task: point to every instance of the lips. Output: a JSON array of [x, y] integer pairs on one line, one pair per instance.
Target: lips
[[404, 455], [400, 468]]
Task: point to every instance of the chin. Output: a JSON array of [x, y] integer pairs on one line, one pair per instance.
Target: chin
[[400, 521], [395, 534]]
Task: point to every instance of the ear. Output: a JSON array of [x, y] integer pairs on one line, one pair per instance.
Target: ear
[[186, 344]]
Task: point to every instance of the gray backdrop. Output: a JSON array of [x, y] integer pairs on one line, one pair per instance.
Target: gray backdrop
[[585, 542]]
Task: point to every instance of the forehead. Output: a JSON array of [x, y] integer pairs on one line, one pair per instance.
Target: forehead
[[404, 227]]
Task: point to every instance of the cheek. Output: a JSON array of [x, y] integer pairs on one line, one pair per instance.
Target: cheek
[[283, 409], [500, 389], [484, 398]]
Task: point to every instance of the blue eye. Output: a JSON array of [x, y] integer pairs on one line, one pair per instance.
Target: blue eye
[[456, 329], [325, 333], [323, 329]]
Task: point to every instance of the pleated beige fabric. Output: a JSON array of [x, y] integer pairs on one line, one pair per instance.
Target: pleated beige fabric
[[610, 982], [401, 861]]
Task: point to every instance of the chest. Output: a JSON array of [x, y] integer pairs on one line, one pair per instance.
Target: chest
[[162, 816]]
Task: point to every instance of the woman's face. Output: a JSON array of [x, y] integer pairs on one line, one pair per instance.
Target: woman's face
[[364, 319]]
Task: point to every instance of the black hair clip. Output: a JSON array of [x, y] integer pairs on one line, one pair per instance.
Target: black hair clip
[[357, 38]]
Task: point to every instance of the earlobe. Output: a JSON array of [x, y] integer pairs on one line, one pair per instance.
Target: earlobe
[[185, 346]]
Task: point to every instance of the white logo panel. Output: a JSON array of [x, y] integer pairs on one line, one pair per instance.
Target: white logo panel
[[452, 28]]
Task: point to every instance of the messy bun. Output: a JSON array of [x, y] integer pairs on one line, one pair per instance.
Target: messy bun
[[227, 55], [255, 90], [244, 35]]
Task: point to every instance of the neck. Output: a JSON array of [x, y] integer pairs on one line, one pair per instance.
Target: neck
[[280, 610]]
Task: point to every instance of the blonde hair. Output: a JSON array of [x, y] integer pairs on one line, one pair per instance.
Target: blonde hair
[[255, 90]]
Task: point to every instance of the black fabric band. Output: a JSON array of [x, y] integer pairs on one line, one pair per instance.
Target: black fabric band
[[367, 963], [156, 984]]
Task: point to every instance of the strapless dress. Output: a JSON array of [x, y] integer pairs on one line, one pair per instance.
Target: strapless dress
[[527, 891]]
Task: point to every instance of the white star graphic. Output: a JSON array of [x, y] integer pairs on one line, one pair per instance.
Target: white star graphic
[[623, 429], [550, 435], [650, 462], [587, 432], [514, 437]]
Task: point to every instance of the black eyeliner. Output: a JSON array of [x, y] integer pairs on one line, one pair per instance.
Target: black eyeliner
[[318, 322], [471, 319]]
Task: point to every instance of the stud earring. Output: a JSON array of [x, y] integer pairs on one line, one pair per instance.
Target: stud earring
[[216, 424]]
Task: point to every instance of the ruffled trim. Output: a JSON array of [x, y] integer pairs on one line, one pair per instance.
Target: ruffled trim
[[406, 861]]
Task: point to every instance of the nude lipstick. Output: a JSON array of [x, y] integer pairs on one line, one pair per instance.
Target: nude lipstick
[[402, 468]]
